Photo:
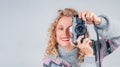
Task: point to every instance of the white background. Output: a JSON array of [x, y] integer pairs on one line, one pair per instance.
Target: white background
[[24, 25]]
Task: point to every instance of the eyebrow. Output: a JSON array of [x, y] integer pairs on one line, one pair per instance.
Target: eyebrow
[[60, 25]]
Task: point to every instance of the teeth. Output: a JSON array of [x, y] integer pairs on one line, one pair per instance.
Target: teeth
[[65, 39]]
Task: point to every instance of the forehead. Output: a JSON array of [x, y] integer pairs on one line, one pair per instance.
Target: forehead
[[65, 21]]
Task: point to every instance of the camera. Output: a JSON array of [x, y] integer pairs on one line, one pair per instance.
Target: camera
[[78, 28]]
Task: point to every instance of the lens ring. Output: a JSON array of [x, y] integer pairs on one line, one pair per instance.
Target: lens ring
[[80, 29]]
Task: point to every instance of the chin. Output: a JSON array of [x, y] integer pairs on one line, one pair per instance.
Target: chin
[[65, 44]]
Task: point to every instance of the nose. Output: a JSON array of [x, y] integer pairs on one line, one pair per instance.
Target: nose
[[66, 32]]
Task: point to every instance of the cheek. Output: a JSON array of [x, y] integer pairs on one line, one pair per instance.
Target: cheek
[[58, 37], [58, 34]]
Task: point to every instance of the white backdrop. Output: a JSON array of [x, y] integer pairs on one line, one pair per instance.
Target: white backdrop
[[24, 25]]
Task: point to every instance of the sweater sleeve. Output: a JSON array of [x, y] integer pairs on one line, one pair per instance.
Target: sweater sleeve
[[109, 29], [89, 62]]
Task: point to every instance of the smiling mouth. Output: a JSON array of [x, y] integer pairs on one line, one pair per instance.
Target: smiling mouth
[[65, 39]]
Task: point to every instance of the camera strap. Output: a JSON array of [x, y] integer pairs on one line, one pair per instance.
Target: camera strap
[[98, 46]]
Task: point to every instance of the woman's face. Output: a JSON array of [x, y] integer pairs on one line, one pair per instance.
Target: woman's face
[[63, 33]]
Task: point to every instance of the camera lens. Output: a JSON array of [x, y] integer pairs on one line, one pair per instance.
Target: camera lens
[[80, 29]]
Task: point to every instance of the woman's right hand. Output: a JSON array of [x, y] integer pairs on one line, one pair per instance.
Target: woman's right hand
[[85, 46]]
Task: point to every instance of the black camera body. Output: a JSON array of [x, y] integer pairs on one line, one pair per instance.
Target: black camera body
[[78, 28]]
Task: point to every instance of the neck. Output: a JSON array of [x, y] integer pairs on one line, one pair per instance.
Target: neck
[[68, 48], [69, 55]]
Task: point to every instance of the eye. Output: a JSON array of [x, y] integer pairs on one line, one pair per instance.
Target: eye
[[60, 28]]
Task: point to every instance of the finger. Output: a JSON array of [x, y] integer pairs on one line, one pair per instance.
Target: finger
[[91, 17], [80, 15], [89, 43], [83, 15], [79, 39], [87, 16], [88, 19], [86, 40], [84, 44], [79, 45]]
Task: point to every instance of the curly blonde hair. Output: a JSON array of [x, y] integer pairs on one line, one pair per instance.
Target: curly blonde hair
[[52, 43]]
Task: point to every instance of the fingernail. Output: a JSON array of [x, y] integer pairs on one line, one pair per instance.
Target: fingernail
[[82, 36], [84, 19]]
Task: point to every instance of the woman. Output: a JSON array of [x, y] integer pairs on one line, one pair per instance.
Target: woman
[[61, 51]]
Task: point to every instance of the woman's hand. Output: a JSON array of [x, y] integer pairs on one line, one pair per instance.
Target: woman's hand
[[90, 17], [85, 46]]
